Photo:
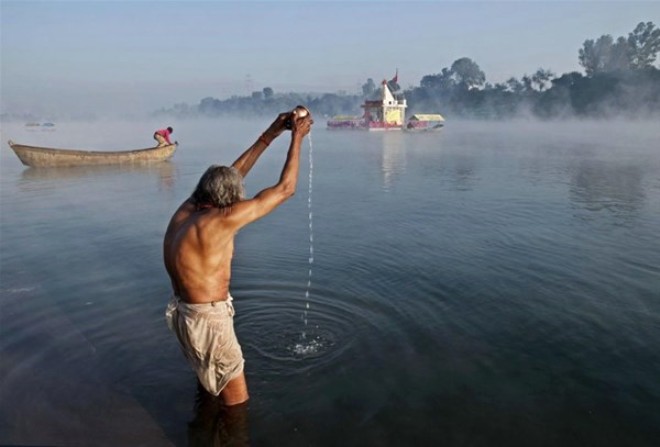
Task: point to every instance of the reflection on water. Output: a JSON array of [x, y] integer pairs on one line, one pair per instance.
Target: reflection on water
[[215, 424], [609, 186], [165, 171], [463, 172], [393, 158]]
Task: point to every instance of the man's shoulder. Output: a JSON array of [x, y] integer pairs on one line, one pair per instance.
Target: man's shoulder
[[185, 210], [187, 207], [231, 217]]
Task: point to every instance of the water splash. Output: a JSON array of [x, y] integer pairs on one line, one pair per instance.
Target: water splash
[[309, 347]]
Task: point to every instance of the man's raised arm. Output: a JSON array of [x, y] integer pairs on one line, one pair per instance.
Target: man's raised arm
[[248, 158], [270, 198]]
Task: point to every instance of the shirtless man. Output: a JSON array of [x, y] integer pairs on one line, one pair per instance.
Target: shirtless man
[[198, 249]]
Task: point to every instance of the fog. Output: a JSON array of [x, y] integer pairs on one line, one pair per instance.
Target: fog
[[93, 100], [225, 131]]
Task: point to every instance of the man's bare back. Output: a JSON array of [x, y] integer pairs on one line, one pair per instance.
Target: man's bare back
[[198, 249]]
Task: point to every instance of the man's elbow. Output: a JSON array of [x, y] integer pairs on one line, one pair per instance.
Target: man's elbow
[[288, 190]]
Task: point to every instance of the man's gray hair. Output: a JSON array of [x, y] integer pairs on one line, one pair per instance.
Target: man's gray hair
[[219, 186]]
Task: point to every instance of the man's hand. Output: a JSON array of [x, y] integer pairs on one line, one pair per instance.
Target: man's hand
[[301, 125], [277, 127]]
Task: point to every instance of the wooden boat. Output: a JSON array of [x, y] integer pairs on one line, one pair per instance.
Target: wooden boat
[[44, 157]]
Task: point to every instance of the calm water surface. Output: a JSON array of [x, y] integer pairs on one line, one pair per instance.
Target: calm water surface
[[494, 284]]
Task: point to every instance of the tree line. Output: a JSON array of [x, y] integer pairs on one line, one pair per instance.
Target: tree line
[[619, 79]]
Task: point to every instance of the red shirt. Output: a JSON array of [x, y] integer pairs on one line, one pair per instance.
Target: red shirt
[[165, 134]]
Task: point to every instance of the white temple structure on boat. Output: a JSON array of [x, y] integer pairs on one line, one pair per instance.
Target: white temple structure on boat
[[386, 113]]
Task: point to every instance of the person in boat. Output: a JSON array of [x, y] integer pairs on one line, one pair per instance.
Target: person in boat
[[198, 247], [162, 136]]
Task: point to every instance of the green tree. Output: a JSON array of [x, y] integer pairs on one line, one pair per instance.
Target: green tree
[[644, 44], [568, 80], [514, 85], [636, 52], [467, 73], [438, 82], [594, 56], [542, 77], [619, 59], [368, 88]]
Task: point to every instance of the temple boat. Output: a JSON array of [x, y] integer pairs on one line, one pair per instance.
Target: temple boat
[[43, 157], [386, 113]]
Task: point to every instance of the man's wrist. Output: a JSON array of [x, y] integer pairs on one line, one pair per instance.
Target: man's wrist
[[265, 139], [297, 136]]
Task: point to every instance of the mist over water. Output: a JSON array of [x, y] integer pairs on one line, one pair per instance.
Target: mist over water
[[492, 284]]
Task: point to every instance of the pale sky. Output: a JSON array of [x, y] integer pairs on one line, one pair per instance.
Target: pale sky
[[132, 57]]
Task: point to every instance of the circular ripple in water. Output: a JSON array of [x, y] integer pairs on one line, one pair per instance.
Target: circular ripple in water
[[276, 330]]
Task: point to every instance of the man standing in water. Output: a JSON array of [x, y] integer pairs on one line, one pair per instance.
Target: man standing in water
[[198, 249]]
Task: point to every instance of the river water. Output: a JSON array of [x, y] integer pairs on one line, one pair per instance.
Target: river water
[[492, 284]]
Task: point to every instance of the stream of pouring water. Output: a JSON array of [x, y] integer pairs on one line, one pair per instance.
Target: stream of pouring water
[[305, 346], [311, 232]]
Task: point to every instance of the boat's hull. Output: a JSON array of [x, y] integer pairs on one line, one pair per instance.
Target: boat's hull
[[352, 123], [42, 157], [380, 126], [432, 128]]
